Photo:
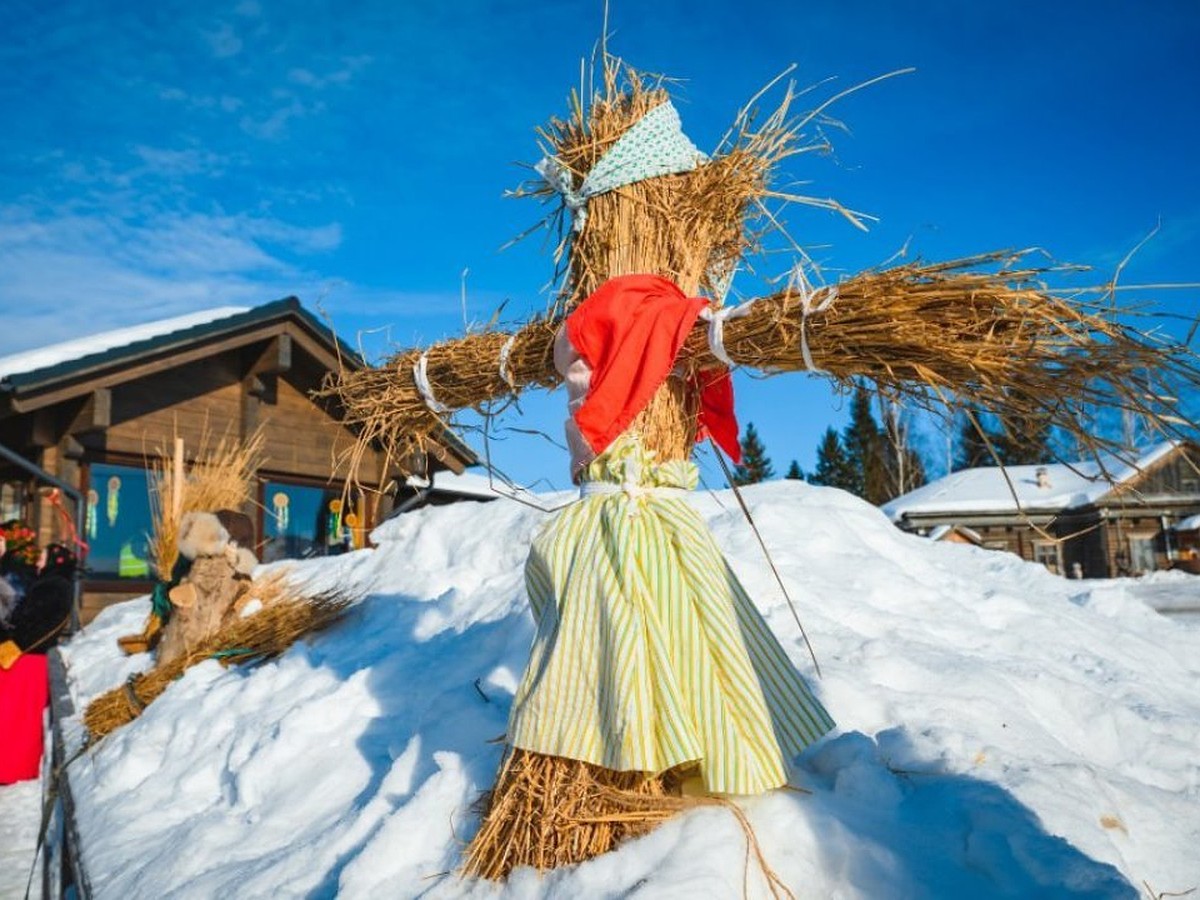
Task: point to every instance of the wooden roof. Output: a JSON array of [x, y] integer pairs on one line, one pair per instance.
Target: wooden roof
[[285, 323]]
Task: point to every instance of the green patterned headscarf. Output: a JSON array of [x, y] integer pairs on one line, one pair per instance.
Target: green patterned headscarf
[[655, 145]]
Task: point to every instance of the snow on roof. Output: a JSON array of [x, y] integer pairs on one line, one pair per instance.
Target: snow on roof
[[468, 484], [44, 357], [942, 531], [985, 489], [1191, 523]]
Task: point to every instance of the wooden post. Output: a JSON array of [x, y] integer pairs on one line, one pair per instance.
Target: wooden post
[[177, 481]]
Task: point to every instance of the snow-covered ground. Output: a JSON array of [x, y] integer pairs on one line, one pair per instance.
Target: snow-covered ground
[[20, 809], [1003, 732]]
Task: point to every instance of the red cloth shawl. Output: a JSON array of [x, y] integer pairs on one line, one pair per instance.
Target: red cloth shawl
[[629, 332]]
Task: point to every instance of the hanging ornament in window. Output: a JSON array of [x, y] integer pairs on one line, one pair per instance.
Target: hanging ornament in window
[[279, 503], [113, 504], [351, 522], [93, 500], [333, 523]]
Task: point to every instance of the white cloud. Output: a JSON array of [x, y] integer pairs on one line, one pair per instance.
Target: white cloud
[[274, 126], [340, 75], [62, 275], [224, 41], [170, 163]]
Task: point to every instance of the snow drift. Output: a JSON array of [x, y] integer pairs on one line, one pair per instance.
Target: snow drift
[[1002, 732]]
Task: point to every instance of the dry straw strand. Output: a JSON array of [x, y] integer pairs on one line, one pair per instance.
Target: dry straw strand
[[286, 616], [547, 811]]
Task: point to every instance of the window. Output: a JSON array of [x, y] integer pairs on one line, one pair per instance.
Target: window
[[117, 523], [12, 500], [1142, 556], [1049, 555], [301, 521]]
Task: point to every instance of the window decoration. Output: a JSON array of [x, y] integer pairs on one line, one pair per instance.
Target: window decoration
[[279, 502], [114, 500], [303, 521], [93, 500], [333, 531], [118, 540]]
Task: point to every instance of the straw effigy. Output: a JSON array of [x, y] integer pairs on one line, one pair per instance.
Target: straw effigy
[[983, 331], [221, 476], [285, 617]]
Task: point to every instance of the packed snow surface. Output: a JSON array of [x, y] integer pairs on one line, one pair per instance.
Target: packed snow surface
[[20, 814], [1002, 732]]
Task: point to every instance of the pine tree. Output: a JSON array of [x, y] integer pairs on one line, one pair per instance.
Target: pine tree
[[755, 466], [794, 472], [864, 444], [1016, 442], [1024, 442], [833, 466], [973, 450]]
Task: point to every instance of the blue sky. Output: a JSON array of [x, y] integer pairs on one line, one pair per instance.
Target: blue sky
[[163, 158]]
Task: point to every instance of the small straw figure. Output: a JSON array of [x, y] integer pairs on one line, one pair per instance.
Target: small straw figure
[[653, 683]]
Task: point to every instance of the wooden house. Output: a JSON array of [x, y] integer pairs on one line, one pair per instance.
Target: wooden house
[[89, 412], [1069, 517]]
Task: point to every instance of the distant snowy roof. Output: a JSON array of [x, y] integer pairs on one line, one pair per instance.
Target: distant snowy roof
[[468, 484], [944, 531], [986, 490], [67, 351]]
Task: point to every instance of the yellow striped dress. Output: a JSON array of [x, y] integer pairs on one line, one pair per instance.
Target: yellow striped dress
[[648, 653]]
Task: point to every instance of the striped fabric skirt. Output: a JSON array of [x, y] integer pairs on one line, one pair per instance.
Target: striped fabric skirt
[[648, 653]]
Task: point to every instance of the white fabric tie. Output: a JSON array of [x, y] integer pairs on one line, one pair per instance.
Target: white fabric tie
[[633, 491], [716, 316], [421, 377], [505, 375], [809, 306]]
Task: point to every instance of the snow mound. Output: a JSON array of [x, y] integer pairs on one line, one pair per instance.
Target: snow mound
[[1003, 732]]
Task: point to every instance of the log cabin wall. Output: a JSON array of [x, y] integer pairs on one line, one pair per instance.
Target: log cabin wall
[[1126, 531]]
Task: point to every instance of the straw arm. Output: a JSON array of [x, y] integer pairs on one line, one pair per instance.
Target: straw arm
[[992, 337], [978, 331], [390, 409]]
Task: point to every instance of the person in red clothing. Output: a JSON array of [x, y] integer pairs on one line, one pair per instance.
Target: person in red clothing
[[31, 628]]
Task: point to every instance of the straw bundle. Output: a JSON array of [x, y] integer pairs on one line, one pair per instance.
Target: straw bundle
[[547, 812], [286, 616], [983, 330], [221, 476]]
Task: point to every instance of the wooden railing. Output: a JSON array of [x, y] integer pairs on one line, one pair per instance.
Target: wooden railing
[[63, 873]]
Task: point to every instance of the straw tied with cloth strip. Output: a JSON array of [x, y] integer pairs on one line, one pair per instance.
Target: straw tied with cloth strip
[[653, 683]]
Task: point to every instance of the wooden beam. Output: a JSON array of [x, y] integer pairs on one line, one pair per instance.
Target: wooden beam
[[43, 429], [72, 449], [95, 414], [275, 359], [253, 391]]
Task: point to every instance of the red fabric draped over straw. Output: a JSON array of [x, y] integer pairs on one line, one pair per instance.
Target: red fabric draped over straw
[[629, 332]]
